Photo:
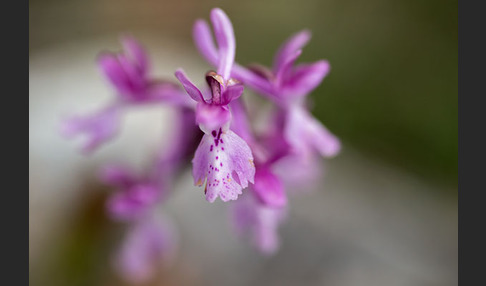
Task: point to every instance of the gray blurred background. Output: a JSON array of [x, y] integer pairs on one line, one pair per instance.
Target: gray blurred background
[[385, 212]]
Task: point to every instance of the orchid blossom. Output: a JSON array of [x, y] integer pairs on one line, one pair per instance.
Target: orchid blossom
[[212, 126]]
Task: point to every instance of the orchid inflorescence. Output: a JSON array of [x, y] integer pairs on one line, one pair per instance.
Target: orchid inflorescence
[[231, 156]]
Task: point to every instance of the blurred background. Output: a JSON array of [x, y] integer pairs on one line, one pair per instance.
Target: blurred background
[[385, 212]]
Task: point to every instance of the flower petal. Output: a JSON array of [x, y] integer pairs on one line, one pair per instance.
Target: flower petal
[[268, 188], [132, 203], [225, 162], [253, 80], [203, 39], [170, 93], [191, 89], [304, 132], [261, 223], [114, 72], [147, 244], [286, 67], [300, 174], [98, 127], [136, 53], [136, 81], [223, 30], [232, 92], [117, 175], [305, 78], [294, 43], [240, 124], [210, 117]]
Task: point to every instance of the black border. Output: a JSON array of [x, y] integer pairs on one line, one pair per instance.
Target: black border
[[472, 75]]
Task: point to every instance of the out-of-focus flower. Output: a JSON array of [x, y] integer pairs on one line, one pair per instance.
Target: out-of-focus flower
[[97, 127], [148, 244], [128, 73], [258, 221], [134, 198]]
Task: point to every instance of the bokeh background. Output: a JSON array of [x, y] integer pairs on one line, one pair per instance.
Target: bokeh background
[[385, 212]]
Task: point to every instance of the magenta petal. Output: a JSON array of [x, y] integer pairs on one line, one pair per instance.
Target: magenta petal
[[211, 117], [170, 93], [266, 236], [136, 81], [225, 162], [240, 124], [294, 43], [253, 80], [259, 222], [183, 138], [191, 89], [304, 132], [136, 53], [223, 30], [117, 175], [232, 92], [300, 174], [146, 246], [97, 128], [114, 72], [268, 188], [133, 202], [286, 67], [305, 78], [204, 42]]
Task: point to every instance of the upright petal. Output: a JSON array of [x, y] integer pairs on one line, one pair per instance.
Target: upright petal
[[203, 39], [136, 53], [136, 81], [114, 72], [223, 30], [232, 92], [293, 44], [286, 68], [225, 162]]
